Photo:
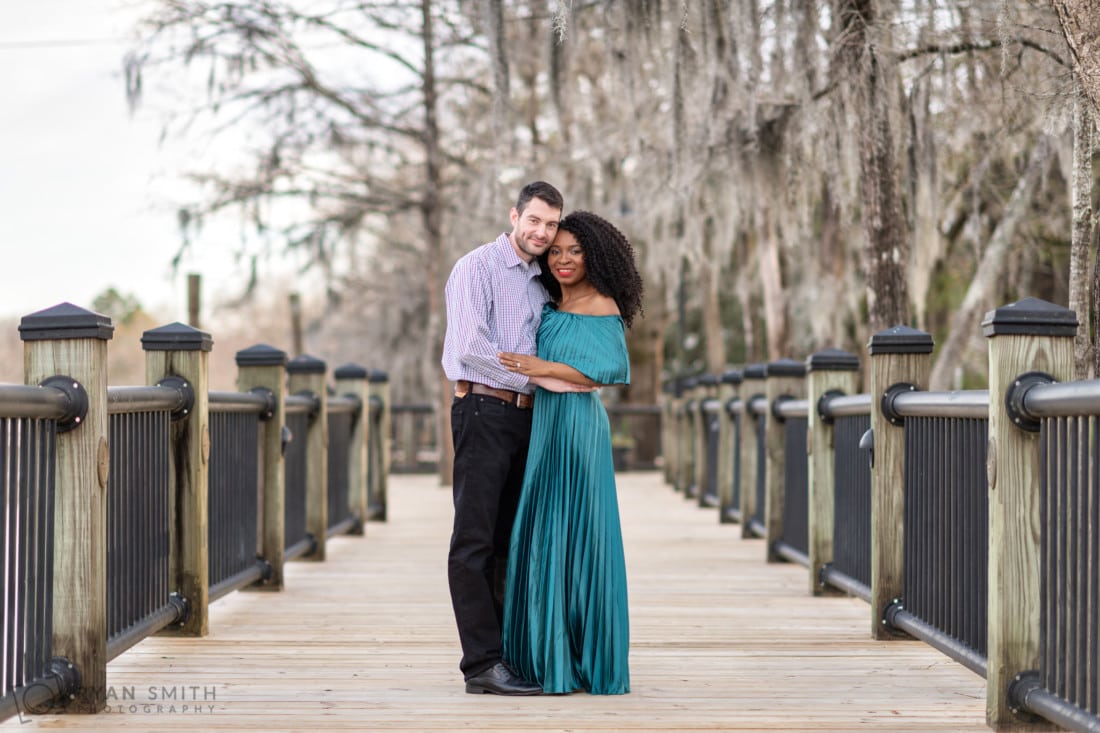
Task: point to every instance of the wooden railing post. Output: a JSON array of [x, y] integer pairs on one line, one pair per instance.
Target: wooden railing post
[[306, 376], [1028, 336], [830, 371], [753, 385], [263, 368], [72, 342], [351, 380], [707, 389], [786, 380], [379, 484], [668, 430], [901, 359], [179, 351], [686, 426], [729, 383]]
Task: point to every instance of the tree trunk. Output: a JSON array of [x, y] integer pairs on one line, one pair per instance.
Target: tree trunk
[[870, 76], [431, 209], [964, 322], [1081, 26], [1081, 192], [713, 341]]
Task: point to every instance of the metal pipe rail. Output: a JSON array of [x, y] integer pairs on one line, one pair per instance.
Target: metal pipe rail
[[788, 408], [154, 398], [254, 572], [33, 401], [1064, 399], [302, 403], [1026, 694], [735, 406], [971, 403], [845, 405], [899, 618], [40, 695], [758, 405], [256, 403], [838, 579], [170, 613], [344, 404], [710, 406]]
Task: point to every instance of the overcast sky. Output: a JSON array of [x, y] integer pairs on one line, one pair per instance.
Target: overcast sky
[[86, 193]]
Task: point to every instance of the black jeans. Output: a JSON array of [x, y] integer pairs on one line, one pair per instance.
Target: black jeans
[[490, 440]]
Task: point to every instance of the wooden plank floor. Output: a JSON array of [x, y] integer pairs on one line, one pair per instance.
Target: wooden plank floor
[[366, 641]]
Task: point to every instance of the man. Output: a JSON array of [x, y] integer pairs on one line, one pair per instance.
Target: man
[[494, 304]]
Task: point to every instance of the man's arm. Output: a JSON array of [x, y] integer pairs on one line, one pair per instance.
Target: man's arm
[[468, 307]]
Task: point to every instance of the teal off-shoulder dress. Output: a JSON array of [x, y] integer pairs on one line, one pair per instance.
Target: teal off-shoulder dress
[[566, 624]]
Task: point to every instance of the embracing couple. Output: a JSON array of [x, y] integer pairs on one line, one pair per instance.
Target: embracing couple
[[536, 567]]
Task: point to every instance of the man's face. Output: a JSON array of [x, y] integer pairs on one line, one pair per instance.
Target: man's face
[[533, 229]]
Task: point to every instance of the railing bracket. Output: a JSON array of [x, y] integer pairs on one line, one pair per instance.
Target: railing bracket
[[889, 411], [78, 401], [1015, 395]]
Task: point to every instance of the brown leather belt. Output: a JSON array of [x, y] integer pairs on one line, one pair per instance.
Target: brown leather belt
[[519, 399]]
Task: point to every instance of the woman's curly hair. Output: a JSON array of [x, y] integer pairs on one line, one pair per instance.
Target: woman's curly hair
[[608, 261]]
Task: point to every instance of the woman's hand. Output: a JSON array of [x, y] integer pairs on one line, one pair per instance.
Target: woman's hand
[[535, 368], [559, 385], [525, 364]]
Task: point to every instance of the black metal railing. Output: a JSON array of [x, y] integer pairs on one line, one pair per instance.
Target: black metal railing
[[850, 569], [343, 412], [376, 500], [27, 459], [794, 540], [945, 559], [711, 423], [31, 679], [234, 485], [414, 439], [731, 512], [140, 600], [298, 540], [1064, 689], [757, 412], [1069, 576]]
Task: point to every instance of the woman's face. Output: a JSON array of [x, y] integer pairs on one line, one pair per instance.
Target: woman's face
[[566, 259]]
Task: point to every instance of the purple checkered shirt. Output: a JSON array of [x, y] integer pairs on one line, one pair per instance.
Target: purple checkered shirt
[[494, 304]]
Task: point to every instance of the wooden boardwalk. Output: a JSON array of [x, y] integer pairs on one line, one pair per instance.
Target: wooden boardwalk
[[366, 641]]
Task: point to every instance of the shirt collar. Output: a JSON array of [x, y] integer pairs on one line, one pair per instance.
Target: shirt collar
[[511, 259]]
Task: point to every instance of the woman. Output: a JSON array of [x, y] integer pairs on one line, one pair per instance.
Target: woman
[[566, 625]]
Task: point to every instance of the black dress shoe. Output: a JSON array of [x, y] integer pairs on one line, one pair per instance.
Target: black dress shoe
[[499, 680]]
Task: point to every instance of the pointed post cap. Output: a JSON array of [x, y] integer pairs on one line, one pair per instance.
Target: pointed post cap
[[350, 371], [900, 340], [786, 368], [261, 355], [305, 364], [731, 376], [708, 380], [833, 360], [176, 337], [756, 371], [65, 321], [1030, 317]]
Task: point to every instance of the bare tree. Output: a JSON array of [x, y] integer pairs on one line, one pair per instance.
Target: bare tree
[[1080, 25], [866, 68]]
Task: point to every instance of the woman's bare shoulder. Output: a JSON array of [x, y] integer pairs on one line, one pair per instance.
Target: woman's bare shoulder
[[603, 305]]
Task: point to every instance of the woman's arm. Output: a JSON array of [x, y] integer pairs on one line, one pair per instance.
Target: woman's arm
[[535, 368]]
